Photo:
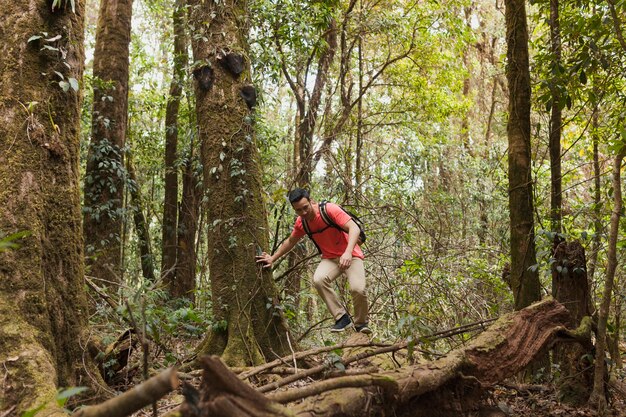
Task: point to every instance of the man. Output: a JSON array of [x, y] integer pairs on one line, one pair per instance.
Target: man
[[340, 254]]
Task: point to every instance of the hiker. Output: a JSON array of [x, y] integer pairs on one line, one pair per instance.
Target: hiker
[[336, 238]]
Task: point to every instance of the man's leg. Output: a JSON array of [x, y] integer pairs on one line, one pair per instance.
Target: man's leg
[[356, 280], [327, 272]]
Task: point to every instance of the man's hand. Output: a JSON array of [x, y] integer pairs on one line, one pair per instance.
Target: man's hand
[[266, 259], [345, 261]]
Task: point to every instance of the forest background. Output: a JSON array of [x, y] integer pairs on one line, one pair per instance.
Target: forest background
[[398, 110]]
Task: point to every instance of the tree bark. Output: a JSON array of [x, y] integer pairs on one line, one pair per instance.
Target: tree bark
[[524, 280], [141, 225], [43, 306], [188, 212], [170, 199], [571, 288], [244, 295], [105, 174], [597, 197], [598, 398]]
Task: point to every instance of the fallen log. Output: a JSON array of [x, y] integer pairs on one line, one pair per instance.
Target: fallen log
[[450, 386]]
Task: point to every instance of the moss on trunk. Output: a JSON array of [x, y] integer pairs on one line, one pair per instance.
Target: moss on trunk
[[42, 298]]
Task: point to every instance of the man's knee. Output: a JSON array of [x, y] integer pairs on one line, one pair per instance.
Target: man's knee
[[320, 279], [358, 290]]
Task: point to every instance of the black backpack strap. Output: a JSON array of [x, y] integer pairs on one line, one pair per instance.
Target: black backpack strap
[[310, 234], [307, 229], [326, 217]]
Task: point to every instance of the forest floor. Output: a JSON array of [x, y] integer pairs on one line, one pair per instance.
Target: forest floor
[[508, 399], [540, 401]]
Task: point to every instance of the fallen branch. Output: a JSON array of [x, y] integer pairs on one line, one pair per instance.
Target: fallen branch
[[387, 383], [133, 400], [300, 355], [403, 345], [320, 368]]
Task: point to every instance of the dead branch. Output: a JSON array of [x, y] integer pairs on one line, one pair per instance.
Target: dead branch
[[300, 355], [320, 368], [127, 403], [361, 381]]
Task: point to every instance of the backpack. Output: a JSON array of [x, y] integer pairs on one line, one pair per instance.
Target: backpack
[[331, 223]]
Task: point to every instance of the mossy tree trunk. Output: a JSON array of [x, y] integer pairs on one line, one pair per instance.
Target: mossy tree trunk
[[243, 295], [105, 174], [524, 280], [43, 303]]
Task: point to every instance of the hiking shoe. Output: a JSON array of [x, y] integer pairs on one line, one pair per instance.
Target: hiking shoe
[[362, 328], [341, 324]]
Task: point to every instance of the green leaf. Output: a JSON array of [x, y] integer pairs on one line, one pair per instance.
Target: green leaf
[[64, 85], [65, 394], [8, 242], [583, 77], [33, 411]]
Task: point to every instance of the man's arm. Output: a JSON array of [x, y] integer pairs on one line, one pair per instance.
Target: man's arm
[[285, 247], [353, 236]]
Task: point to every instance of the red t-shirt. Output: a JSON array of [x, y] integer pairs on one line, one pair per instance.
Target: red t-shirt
[[332, 241]]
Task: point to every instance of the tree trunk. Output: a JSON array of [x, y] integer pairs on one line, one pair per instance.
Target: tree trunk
[[571, 288], [450, 386], [43, 303], [189, 210], [105, 175], [141, 225], [555, 122], [308, 117], [170, 200], [597, 197], [598, 398], [358, 170], [524, 280], [244, 295]]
